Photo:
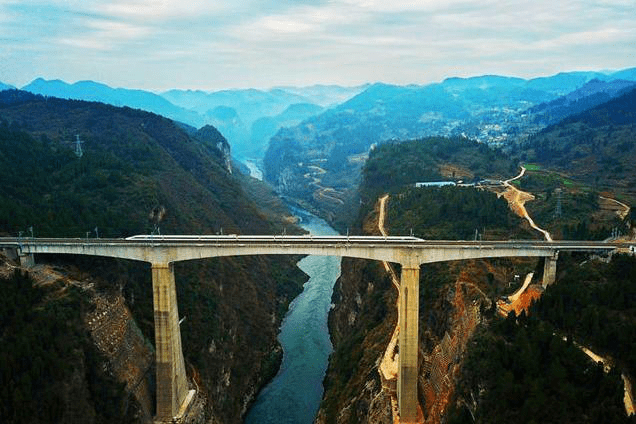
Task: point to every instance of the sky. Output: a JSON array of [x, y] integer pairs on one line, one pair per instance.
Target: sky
[[218, 44]]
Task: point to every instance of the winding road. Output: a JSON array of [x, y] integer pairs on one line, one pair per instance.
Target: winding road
[[625, 208], [388, 367], [322, 191], [517, 199]]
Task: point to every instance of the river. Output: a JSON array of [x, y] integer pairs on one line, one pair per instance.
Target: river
[[294, 395]]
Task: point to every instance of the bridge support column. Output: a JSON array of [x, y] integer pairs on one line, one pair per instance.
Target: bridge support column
[[27, 260], [408, 342], [172, 385], [549, 269]]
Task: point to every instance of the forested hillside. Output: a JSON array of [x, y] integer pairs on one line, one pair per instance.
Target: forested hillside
[[50, 369], [434, 159], [533, 365], [596, 146], [396, 167], [365, 314], [476, 366], [97, 92], [492, 109], [138, 173], [141, 160], [592, 94]]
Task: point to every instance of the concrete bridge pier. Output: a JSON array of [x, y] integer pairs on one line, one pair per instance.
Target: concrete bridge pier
[[408, 317], [172, 383], [550, 269], [27, 260]]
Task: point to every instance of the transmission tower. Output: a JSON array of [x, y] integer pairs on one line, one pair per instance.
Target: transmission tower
[[557, 211], [78, 146]]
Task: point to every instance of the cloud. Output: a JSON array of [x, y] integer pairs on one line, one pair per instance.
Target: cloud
[[152, 10], [102, 35], [209, 44]]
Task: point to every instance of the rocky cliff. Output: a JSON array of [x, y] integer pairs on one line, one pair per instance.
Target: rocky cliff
[[139, 173], [453, 299]]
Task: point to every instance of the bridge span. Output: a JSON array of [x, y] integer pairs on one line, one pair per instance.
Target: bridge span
[[162, 252]]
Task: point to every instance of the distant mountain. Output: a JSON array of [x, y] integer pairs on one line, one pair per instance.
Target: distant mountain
[[250, 104], [596, 146], [264, 128], [233, 112], [326, 95], [625, 74], [123, 143], [593, 93], [492, 109], [4, 86], [564, 82], [338, 139], [249, 117], [93, 91]]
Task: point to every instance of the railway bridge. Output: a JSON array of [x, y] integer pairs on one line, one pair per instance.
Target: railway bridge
[[173, 395]]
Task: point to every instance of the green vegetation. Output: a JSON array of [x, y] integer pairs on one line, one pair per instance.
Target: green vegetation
[[358, 344], [394, 165], [521, 367], [580, 217], [515, 369], [50, 370], [133, 163], [595, 146], [532, 167], [595, 303], [518, 370], [450, 213], [140, 171], [444, 212]]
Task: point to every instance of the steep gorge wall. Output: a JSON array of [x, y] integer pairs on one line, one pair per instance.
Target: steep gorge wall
[[360, 325], [140, 173], [363, 320], [130, 356], [230, 348], [452, 300]]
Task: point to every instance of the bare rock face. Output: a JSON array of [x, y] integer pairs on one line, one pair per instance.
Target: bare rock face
[[130, 356], [353, 386], [224, 148], [372, 405], [355, 391], [210, 136]]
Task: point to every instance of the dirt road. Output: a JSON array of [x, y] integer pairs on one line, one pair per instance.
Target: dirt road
[[327, 193], [517, 199], [622, 210], [389, 365], [628, 398], [388, 368]]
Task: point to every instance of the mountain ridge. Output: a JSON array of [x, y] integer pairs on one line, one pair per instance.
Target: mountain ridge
[[140, 172], [95, 91], [490, 109]]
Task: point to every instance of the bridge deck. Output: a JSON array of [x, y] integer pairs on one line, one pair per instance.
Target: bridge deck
[[395, 241], [403, 250]]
